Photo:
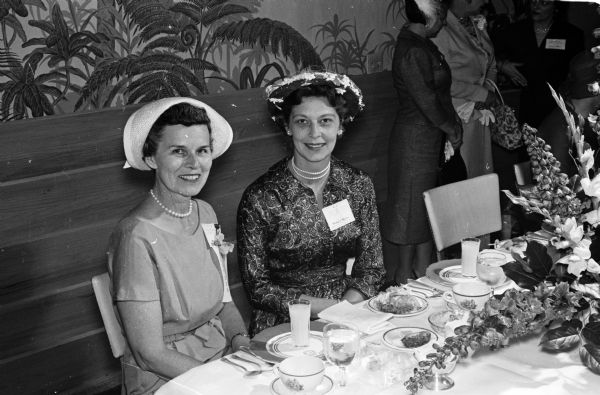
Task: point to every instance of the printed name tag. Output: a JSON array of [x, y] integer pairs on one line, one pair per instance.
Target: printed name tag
[[338, 214], [556, 43]]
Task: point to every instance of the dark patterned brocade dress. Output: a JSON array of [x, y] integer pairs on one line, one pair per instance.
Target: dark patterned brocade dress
[[287, 249], [422, 80]]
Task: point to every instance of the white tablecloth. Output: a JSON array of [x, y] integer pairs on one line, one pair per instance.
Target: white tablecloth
[[520, 368]]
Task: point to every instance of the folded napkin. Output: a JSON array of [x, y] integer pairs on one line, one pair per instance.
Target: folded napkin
[[366, 321]]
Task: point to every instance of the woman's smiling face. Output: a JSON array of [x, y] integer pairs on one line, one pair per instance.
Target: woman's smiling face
[[182, 160], [314, 125]]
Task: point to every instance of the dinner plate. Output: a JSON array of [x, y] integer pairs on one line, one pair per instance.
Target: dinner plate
[[420, 304], [282, 345], [278, 388], [393, 338], [448, 273]]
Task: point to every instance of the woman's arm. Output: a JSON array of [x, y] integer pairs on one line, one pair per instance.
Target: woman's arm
[[367, 272], [253, 228], [233, 325], [142, 322]]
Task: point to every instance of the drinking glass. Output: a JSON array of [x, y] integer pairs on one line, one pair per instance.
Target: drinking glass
[[300, 321], [468, 258], [489, 267], [440, 379], [341, 343]]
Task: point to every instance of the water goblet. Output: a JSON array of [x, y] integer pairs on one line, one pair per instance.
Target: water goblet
[[440, 379], [341, 343], [489, 267]]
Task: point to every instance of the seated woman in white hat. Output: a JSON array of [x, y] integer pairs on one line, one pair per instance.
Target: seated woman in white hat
[[168, 278], [300, 223]]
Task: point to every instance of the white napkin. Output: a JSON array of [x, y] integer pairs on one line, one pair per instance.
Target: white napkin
[[366, 321]]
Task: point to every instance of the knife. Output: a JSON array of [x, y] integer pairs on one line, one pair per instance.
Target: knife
[[259, 349]]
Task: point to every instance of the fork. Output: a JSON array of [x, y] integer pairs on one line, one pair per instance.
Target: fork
[[247, 372], [418, 285]]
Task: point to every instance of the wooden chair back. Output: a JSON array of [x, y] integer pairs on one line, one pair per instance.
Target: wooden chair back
[[101, 285]]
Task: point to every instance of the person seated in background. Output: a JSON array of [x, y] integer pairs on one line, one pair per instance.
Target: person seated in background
[[537, 51], [168, 279], [309, 214], [580, 101], [467, 48]]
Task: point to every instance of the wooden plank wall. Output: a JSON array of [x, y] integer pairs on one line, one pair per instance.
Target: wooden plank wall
[[62, 189]]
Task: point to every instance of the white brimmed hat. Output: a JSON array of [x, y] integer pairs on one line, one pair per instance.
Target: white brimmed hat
[[139, 123]]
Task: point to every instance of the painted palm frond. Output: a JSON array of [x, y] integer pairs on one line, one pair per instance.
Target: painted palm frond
[[332, 29], [278, 36], [8, 59], [394, 9], [63, 44], [25, 92], [14, 24], [388, 45]]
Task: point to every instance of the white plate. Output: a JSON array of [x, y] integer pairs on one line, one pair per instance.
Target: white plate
[[420, 302], [282, 346], [393, 338], [277, 388], [448, 273]]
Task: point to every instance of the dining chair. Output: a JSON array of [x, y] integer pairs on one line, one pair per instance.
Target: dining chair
[[523, 173], [101, 286], [469, 208]]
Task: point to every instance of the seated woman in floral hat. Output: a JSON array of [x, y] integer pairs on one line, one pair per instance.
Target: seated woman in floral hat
[[300, 222], [169, 281]]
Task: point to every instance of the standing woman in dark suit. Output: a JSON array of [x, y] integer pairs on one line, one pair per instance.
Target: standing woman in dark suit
[[425, 119]]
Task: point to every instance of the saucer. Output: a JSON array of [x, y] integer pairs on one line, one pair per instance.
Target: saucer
[[277, 388], [282, 345]]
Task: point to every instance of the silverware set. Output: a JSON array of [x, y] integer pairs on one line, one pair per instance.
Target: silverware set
[[417, 285], [232, 358]]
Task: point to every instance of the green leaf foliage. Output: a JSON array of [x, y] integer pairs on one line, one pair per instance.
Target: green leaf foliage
[[282, 39], [591, 332], [590, 356], [529, 272]]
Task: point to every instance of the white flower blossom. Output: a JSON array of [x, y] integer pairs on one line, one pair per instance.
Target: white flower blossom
[[587, 160], [591, 187]]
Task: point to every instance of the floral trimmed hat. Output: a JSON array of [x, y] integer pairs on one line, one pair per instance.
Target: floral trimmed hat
[[278, 91]]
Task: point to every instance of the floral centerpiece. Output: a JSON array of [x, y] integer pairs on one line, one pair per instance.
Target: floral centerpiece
[[560, 279]]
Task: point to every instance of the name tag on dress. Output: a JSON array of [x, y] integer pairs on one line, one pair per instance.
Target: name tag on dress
[[556, 43], [338, 214]]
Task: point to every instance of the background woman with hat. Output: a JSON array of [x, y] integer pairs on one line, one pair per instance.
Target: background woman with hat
[[168, 278], [299, 223]]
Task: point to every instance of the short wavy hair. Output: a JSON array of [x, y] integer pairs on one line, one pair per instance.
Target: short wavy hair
[[423, 11]]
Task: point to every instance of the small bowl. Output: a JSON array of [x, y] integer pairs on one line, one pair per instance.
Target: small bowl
[[301, 373], [439, 320]]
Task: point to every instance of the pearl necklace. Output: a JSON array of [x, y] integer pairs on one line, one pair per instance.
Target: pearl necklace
[[310, 175], [168, 210]]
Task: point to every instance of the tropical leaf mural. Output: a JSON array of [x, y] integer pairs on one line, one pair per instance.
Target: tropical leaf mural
[[56, 55], [178, 43]]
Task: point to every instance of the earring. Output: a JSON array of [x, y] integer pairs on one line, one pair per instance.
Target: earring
[[340, 132], [289, 132]]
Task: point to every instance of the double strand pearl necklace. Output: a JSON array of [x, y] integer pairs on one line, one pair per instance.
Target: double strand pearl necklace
[[310, 175], [168, 210]]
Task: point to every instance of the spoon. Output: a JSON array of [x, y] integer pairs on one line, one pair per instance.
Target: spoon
[[248, 372]]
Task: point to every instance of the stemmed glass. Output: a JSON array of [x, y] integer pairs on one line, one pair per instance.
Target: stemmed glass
[[489, 267], [341, 343], [440, 379]]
